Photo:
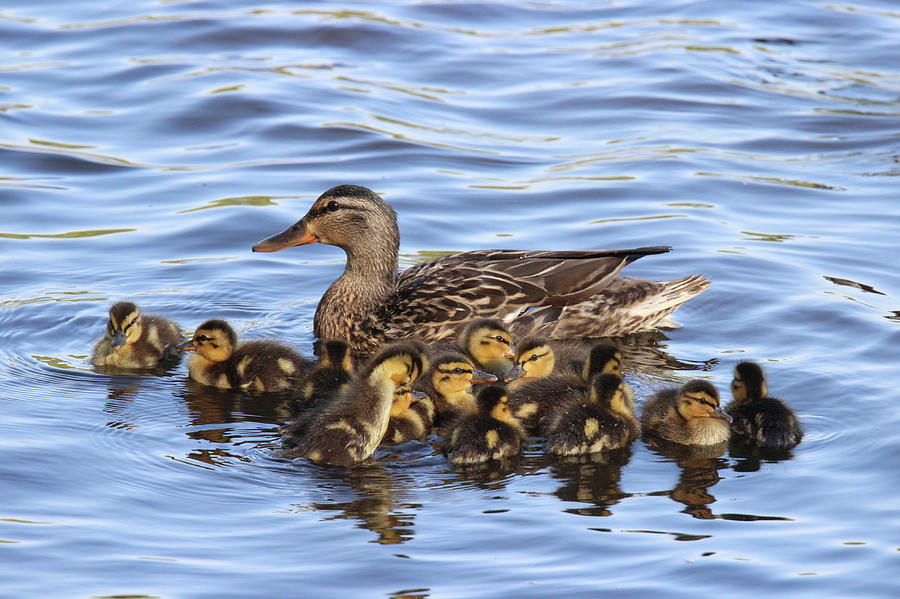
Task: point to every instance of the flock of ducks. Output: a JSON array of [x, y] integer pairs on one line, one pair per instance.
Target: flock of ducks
[[478, 349]]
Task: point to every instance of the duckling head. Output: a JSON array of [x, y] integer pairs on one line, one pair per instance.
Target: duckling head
[[603, 359], [454, 373], [749, 383], [699, 399], [534, 359], [214, 340], [608, 390], [403, 398], [402, 363], [335, 353], [492, 401], [490, 345], [351, 217], [124, 325]]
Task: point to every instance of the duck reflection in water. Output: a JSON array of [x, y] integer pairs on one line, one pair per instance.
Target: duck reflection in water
[[364, 493], [700, 465], [593, 478]]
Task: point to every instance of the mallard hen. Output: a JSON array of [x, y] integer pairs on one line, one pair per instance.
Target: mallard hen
[[554, 294]]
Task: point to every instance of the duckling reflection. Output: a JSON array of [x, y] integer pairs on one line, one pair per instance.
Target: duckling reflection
[[365, 494], [593, 478], [699, 465]]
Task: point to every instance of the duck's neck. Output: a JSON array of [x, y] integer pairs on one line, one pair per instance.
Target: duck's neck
[[367, 284]]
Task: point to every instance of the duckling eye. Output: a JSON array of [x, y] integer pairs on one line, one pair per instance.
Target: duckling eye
[[202, 338], [332, 206], [457, 370], [533, 358], [501, 339]]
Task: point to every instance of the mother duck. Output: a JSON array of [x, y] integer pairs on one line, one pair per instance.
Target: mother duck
[[554, 294]]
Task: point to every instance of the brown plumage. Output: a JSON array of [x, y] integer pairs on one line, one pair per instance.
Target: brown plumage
[[690, 415], [491, 433], [350, 428], [136, 340], [218, 361], [555, 294], [759, 419], [603, 422]]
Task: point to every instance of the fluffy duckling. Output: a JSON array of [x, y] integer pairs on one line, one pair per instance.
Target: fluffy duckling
[[328, 379], [489, 345], [535, 359], [758, 418], [449, 386], [690, 415], [602, 422], [412, 415], [135, 340], [491, 433], [351, 426], [258, 365], [533, 403]]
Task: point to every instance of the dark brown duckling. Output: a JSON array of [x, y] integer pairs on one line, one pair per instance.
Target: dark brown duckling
[[601, 423], [135, 340], [350, 428], [758, 418], [329, 378], [690, 415], [491, 433], [260, 365], [412, 415]]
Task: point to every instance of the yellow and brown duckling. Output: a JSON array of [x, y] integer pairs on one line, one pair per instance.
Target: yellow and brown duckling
[[260, 365], [491, 433], [762, 420], [412, 415], [535, 359], [487, 342], [690, 415], [602, 422], [555, 294], [350, 427], [136, 340], [448, 384], [534, 402]]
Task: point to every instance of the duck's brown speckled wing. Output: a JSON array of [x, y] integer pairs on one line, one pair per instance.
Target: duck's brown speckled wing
[[437, 298]]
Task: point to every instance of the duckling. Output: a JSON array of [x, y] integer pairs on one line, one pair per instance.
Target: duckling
[[412, 414], [330, 376], [135, 340], [350, 427], [555, 294], [491, 433], [257, 365], [326, 380], [602, 422], [690, 415], [534, 402], [487, 342], [758, 418], [534, 359], [449, 386]]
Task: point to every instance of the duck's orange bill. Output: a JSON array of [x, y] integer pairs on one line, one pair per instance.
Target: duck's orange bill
[[295, 235], [186, 345]]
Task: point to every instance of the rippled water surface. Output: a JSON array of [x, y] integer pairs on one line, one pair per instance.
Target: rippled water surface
[[146, 146]]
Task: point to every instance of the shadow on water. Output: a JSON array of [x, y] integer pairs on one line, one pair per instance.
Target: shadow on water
[[594, 478]]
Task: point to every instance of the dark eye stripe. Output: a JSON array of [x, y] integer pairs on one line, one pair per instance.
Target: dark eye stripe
[[701, 400], [453, 370]]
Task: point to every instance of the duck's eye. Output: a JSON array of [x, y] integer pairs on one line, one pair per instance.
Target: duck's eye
[[332, 206], [201, 338], [457, 370], [533, 357], [501, 339]]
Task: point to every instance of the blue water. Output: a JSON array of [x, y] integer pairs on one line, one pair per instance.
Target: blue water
[[146, 146]]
